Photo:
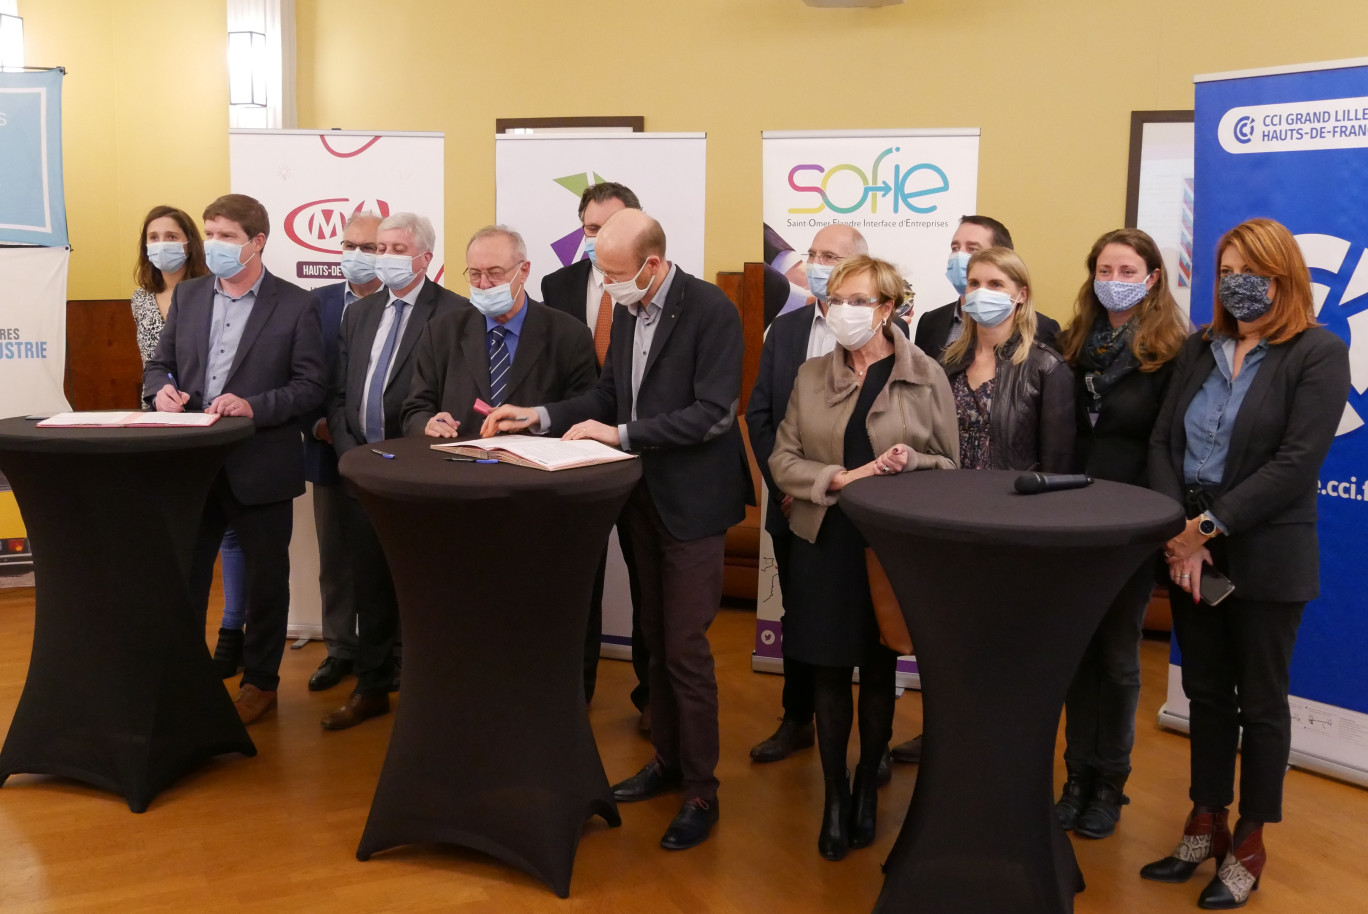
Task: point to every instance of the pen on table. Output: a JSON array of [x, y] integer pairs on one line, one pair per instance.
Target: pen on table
[[386, 454], [470, 460]]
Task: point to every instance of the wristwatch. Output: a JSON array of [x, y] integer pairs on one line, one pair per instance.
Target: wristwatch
[[1206, 526]]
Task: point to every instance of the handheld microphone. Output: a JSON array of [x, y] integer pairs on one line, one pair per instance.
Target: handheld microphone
[[1035, 483]]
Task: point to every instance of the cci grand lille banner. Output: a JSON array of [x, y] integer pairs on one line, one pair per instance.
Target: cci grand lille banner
[[1291, 144], [905, 190]]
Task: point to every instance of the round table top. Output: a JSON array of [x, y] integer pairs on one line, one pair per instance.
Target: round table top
[[417, 472], [20, 434], [982, 506]]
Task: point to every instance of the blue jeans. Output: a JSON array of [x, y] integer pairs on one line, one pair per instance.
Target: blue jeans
[[1099, 712], [234, 570]]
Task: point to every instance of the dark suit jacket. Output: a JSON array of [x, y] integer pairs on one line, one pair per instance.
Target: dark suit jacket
[[278, 370], [1284, 429], [693, 458], [554, 360], [934, 329], [565, 291], [784, 352], [359, 327], [320, 459]]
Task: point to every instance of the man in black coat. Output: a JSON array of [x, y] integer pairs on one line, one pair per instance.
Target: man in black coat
[[375, 364], [243, 342], [792, 339], [940, 327], [669, 391], [577, 290]]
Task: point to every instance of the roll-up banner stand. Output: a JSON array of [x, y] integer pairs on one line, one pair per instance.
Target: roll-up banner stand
[[539, 179], [310, 182], [905, 190], [1291, 144]]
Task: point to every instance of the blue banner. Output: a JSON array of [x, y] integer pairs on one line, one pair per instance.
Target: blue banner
[[1293, 146], [32, 205]]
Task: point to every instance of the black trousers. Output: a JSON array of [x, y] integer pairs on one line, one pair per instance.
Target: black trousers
[[377, 607], [593, 637], [264, 533], [1236, 659], [799, 677], [335, 569], [681, 589]]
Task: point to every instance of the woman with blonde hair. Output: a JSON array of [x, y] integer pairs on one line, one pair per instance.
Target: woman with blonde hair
[[1013, 395], [1251, 412], [1125, 332], [876, 405]]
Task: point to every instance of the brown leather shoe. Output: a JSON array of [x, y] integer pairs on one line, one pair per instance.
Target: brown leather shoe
[[252, 702], [359, 707]]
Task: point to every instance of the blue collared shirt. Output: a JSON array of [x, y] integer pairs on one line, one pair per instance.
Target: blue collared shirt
[[1210, 418], [225, 333], [512, 330]]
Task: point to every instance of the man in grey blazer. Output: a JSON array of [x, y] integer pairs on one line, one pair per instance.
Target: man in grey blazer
[[669, 391], [242, 342], [375, 361]]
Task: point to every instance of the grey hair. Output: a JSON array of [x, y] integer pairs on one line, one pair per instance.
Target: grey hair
[[519, 246], [363, 214], [424, 236]]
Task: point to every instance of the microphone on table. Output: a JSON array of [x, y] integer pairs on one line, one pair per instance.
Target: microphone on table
[[1035, 483]]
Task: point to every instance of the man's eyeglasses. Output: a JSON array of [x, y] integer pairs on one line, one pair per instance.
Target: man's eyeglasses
[[498, 275], [825, 258]]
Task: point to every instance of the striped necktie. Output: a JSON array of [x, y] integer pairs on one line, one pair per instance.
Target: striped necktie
[[499, 363], [375, 397]]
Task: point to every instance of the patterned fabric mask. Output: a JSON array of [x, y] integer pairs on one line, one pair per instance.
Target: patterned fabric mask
[[1245, 295]]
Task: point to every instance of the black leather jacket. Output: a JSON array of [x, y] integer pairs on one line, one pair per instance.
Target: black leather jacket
[[1032, 420]]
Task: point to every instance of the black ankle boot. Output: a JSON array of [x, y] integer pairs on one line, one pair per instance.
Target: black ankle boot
[[1103, 811], [1206, 835], [864, 807], [228, 653], [1077, 791], [834, 840]]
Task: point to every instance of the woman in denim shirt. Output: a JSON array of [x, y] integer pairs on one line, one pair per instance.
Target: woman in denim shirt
[[1250, 415]]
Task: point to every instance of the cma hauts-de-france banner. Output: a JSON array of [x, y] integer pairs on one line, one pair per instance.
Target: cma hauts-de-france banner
[[310, 181], [33, 220], [1291, 144], [905, 190]]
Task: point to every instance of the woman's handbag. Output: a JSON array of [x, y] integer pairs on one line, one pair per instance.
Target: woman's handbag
[[892, 627]]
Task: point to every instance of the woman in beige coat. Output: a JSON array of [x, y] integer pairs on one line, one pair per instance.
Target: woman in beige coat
[[875, 394]]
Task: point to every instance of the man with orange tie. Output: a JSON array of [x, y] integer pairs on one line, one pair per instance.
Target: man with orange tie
[[578, 291]]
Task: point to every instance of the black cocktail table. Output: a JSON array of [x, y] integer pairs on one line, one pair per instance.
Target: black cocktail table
[[492, 565], [121, 692], [1001, 593]]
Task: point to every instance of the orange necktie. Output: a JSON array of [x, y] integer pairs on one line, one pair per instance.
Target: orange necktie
[[602, 327]]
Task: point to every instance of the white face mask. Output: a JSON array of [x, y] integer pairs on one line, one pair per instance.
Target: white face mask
[[852, 325], [626, 292]]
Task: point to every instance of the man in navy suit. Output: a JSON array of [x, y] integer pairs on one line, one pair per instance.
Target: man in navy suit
[[243, 342], [320, 460], [792, 339], [578, 291], [669, 391]]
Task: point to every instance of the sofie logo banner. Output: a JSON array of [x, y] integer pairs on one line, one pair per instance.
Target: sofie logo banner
[[905, 191], [312, 181]]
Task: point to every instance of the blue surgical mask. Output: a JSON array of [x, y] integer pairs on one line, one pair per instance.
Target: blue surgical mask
[[224, 258], [1244, 296], [589, 251], [495, 302], [1117, 295], [358, 266], [957, 270], [988, 307], [395, 270], [817, 276], [167, 256]]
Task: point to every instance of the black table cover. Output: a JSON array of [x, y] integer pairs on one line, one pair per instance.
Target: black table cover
[[121, 692], [1001, 593], [493, 565]]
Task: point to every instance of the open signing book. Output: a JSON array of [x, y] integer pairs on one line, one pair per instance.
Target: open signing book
[[534, 452], [129, 419]]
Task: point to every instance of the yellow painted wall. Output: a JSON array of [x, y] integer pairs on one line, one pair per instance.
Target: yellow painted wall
[[144, 120], [1051, 82]]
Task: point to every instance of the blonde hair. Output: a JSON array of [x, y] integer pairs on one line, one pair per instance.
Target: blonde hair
[[1023, 316], [887, 280]]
